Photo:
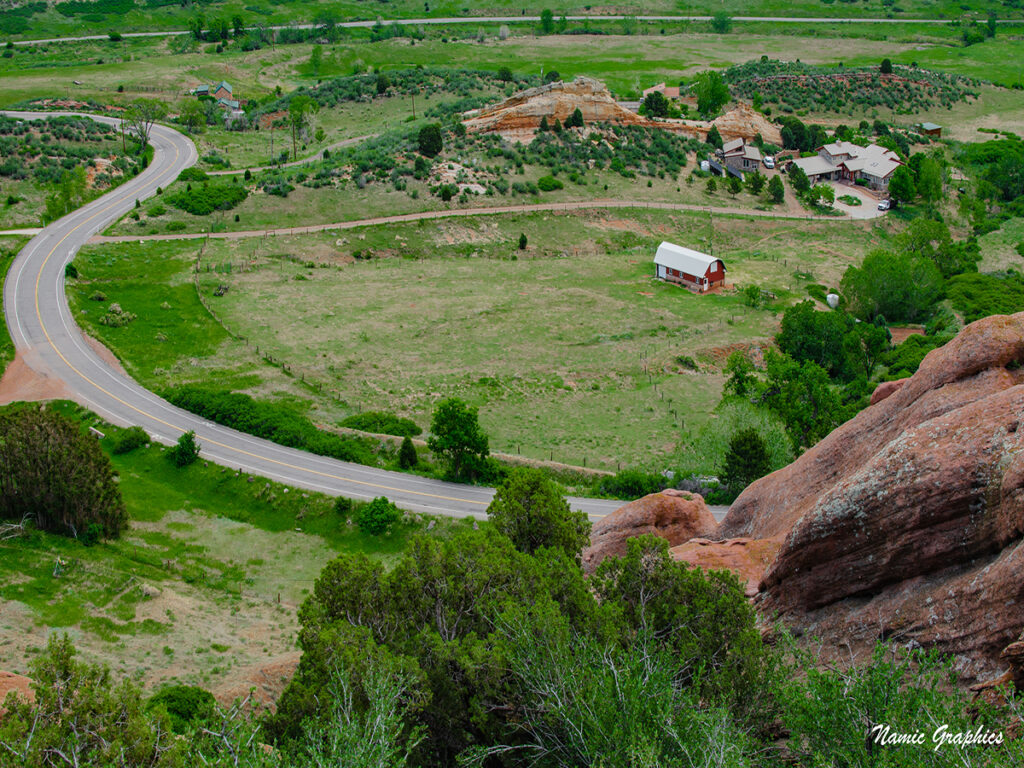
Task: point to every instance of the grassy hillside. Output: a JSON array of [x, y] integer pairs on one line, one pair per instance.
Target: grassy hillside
[[203, 586]]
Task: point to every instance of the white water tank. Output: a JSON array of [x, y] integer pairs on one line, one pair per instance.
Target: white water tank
[[705, 166], [832, 300]]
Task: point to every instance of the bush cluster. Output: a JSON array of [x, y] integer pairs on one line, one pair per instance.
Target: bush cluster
[[278, 423]]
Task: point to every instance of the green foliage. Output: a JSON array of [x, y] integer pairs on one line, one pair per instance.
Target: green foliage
[[798, 180], [706, 454], [794, 86], [630, 484], [529, 510], [377, 517], [456, 438], [755, 182], [522, 241], [429, 140], [979, 295], [903, 361], [740, 370], [886, 67], [711, 91], [746, 460], [53, 473], [185, 451], [193, 174], [721, 23], [206, 198], [407, 456], [382, 423], [187, 706], [127, 440], [901, 287], [776, 190], [433, 615], [79, 713], [275, 422], [701, 616], [655, 104], [931, 240], [901, 186], [832, 340], [547, 21], [714, 138], [802, 395], [548, 184]]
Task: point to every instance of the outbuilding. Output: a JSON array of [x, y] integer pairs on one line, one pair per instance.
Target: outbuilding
[[687, 267]]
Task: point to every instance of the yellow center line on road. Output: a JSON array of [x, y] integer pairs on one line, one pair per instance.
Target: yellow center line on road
[[68, 363]]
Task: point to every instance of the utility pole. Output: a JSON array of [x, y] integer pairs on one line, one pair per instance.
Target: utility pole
[[414, 106]]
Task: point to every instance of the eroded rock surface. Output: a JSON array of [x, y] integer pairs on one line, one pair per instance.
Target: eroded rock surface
[[906, 522], [675, 516]]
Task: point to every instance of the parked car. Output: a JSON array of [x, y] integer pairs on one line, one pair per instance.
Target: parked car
[[883, 205], [769, 161]]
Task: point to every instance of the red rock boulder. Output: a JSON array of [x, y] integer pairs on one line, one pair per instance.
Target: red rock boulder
[[907, 521], [20, 685], [675, 516]]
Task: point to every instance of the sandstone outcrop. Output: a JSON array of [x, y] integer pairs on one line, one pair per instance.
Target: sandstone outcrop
[[518, 117], [19, 684], [747, 558], [886, 388], [675, 516], [906, 522]]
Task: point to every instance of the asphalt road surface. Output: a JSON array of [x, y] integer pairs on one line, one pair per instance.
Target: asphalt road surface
[[50, 342]]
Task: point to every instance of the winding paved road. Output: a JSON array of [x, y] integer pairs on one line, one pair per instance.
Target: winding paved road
[[50, 342]]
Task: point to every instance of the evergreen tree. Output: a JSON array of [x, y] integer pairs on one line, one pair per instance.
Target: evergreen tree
[[746, 460]]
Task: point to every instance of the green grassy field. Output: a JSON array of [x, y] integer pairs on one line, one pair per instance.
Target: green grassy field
[[9, 247], [553, 345], [51, 23], [203, 586], [168, 67]]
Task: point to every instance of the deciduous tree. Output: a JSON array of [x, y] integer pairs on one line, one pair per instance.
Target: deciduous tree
[[456, 438]]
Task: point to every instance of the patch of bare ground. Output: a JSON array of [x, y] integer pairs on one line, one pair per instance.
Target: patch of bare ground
[[899, 335], [21, 381]]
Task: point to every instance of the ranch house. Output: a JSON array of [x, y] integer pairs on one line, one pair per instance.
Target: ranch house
[[692, 269]]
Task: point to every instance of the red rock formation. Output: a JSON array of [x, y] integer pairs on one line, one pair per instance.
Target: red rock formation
[[907, 521], [518, 117], [675, 516], [885, 389], [747, 558], [20, 685]]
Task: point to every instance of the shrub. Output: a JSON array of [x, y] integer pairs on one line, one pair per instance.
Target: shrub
[[528, 508], [185, 451], [187, 706], [204, 200], [343, 507], [407, 456], [548, 183], [273, 421], [193, 174], [382, 423], [631, 484], [378, 516], [56, 474], [70, 270], [175, 226], [128, 440], [429, 140]]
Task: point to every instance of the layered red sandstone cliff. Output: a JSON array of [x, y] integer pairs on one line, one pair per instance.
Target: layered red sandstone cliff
[[905, 523]]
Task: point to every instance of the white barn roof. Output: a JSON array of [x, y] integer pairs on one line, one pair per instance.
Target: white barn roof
[[684, 259]]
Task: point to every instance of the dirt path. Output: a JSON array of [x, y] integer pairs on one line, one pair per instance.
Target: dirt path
[[301, 161], [462, 212]]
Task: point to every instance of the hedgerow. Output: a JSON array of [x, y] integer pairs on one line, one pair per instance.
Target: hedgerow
[[204, 199], [275, 422]]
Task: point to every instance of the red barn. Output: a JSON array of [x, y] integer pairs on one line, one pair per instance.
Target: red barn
[[693, 269]]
